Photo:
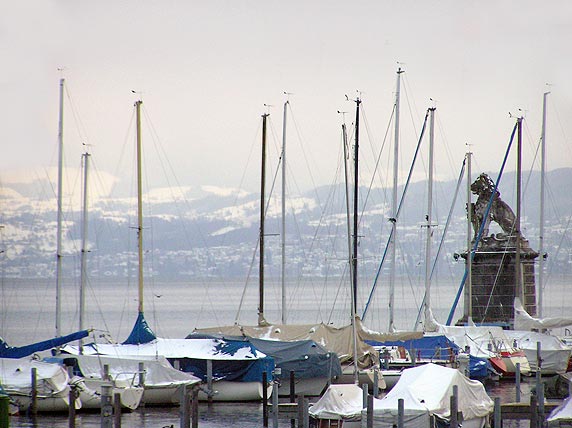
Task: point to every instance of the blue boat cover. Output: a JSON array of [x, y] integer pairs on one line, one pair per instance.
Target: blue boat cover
[[141, 332], [24, 351], [439, 348], [306, 358], [239, 370]]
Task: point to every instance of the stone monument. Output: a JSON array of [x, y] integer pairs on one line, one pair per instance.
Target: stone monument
[[493, 268]]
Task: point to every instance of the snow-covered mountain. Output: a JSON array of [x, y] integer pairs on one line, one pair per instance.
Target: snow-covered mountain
[[212, 231]]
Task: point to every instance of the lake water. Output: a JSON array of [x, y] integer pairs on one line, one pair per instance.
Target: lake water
[[174, 309]]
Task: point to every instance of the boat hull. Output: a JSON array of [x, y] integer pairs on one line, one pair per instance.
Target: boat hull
[[235, 391]]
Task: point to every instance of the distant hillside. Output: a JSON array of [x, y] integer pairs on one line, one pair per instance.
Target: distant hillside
[[213, 232]]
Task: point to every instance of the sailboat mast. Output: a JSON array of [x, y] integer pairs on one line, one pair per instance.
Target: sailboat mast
[[355, 214], [429, 216], [59, 212], [83, 272], [283, 241], [394, 207], [139, 207], [353, 312], [519, 292], [261, 319], [469, 284], [541, 232]]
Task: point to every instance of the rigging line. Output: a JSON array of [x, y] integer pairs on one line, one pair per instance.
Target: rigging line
[[442, 241], [481, 229], [409, 104], [293, 117], [321, 221], [562, 237], [253, 259], [374, 286], [338, 293], [266, 207], [445, 143], [165, 159], [556, 113], [330, 236], [376, 168], [82, 134]]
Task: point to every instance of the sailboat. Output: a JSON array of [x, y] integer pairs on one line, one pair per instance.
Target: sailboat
[[234, 369], [312, 364], [553, 354], [17, 363]]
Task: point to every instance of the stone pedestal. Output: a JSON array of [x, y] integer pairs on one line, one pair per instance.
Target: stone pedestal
[[494, 283]]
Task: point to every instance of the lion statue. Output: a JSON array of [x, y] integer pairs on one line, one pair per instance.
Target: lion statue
[[500, 212]]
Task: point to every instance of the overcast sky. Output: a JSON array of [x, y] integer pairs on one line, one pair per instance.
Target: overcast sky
[[206, 68]]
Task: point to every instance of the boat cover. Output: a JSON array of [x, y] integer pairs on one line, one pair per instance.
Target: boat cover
[[524, 321], [437, 347], [483, 341], [305, 358], [15, 377], [562, 413], [334, 339], [24, 351], [158, 371], [427, 390], [340, 401], [554, 353], [232, 360], [141, 332]]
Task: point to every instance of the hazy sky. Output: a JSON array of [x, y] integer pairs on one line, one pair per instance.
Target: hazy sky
[[206, 69]]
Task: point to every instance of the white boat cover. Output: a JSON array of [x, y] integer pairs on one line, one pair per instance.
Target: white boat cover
[[158, 371], [553, 352], [334, 339], [427, 390], [562, 413], [340, 401], [484, 341], [15, 377], [203, 349], [524, 321]]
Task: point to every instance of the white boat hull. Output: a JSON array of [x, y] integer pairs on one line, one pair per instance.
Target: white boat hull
[[90, 395], [312, 387], [56, 403], [235, 391]]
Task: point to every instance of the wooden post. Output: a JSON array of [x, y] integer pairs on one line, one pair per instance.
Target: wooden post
[[106, 376], [533, 412], [34, 398], [375, 382], [141, 374], [264, 399], [539, 384], [300, 411], [106, 407], [400, 413], [71, 409], [305, 414], [195, 407], [275, 404], [210, 380], [292, 386], [117, 410], [184, 412], [454, 407], [517, 382], [364, 394], [369, 411], [497, 421]]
